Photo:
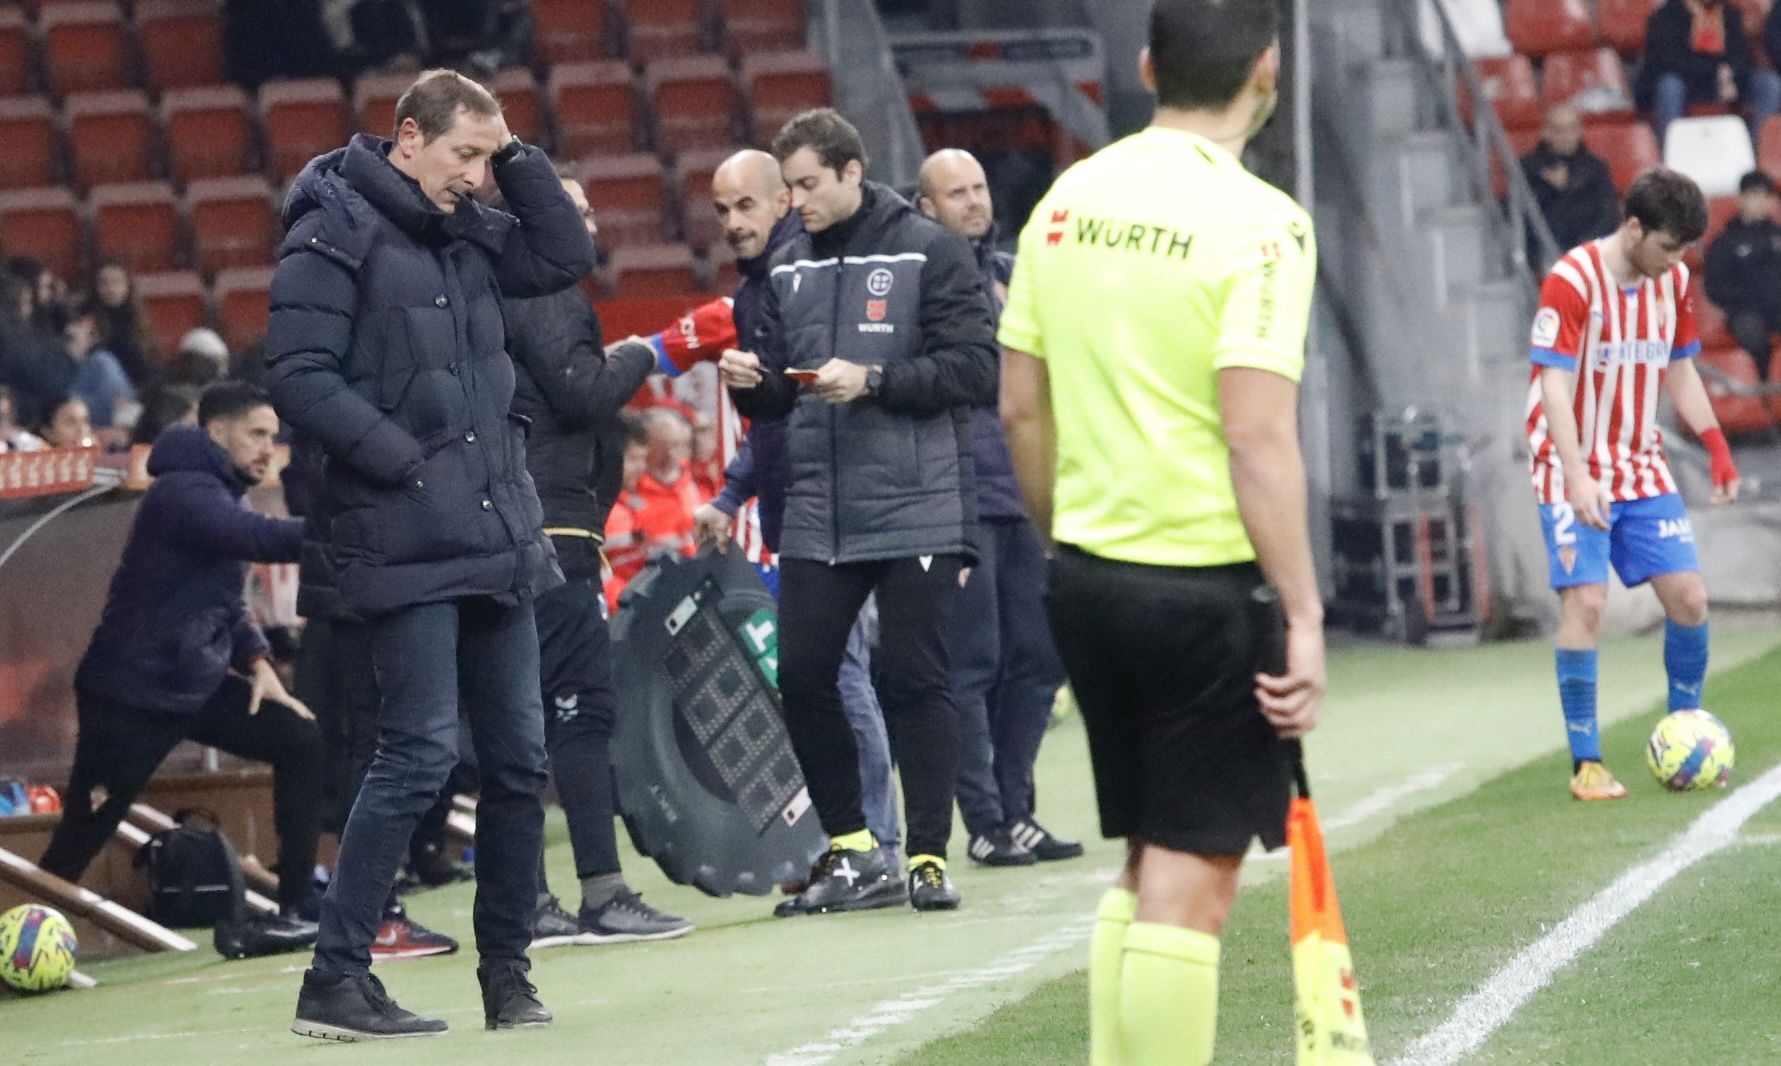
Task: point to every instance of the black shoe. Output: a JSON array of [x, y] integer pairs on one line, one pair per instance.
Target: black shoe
[[254, 935], [509, 1001], [626, 917], [355, 1007], [931, 890], [998, 848], [846, 880], [429, 866], [1037, 839], [552, 926]]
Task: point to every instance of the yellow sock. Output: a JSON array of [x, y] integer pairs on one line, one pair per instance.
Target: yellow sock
[[860, 841], [1168, 996], [1105, 951], [917, 860]]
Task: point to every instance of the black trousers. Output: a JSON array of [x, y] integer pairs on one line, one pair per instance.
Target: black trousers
[[120, 746], [817, 607]]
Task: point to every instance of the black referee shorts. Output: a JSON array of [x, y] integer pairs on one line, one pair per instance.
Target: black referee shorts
[[1163, 661]]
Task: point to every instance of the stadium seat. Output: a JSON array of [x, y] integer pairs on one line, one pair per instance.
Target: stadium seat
[[629, 201], [374, 99], [1538, 27], [43, 224], [210, 132], [657, 29], [1594, 81], [1715, 332], [17, 54], [138, 225], [726, 277], [654, 270], [1756, 14], [781, 84], [692, 185], [1510, 87], [1720, 212], [303, 119], [1768, 146], [33, 147], [1726, 371], [177, 303], [1715, 152], [86, 48], [1623, 23], [695, 103], [518, 93], [112, 137], [751, 26], [181, 42], [1521, 142], [572, 31], [596, 109], [233, 223], [241, 305], [1629, 147]]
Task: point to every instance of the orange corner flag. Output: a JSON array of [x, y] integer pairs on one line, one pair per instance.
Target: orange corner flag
[[1331, 1029]]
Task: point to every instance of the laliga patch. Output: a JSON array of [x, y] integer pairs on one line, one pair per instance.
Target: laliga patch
[[875, 310], [1567, 558], [1546, 328]]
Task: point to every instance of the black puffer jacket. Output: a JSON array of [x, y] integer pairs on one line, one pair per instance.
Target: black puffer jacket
[[386, 344], [888, 476], [998, 493]]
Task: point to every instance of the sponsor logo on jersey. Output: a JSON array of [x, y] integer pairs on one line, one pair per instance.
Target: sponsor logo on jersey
[[1546, 328], [1631, 353], [877, 327], [879, 282], [1123, 235], [875, 310], [1676, 529]]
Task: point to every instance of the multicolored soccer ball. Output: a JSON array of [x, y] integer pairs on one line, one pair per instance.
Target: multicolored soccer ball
[[37, 948], [1690, 750]]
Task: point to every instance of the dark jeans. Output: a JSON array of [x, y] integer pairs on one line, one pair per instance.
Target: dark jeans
[[336, 680], [120, 746], [1005, 675], [429, 658], [818, 605], [1752, 329]]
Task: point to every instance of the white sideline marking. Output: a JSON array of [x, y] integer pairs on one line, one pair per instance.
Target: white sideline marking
[[1489, 1006], [1379, 801]]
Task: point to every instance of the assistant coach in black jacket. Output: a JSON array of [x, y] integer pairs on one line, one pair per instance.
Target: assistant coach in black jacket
[[884, 309], [386, 344]]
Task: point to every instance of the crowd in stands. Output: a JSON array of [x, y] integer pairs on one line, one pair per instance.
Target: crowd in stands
[[267, 39]]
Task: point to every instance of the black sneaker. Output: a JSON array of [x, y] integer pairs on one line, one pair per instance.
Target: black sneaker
[[998, 848], [509, 1001], [1038, 840], [552, 926], [625, 917], [254, 935], [931, 890], [846, 880], [431, 866], [355, 1007]]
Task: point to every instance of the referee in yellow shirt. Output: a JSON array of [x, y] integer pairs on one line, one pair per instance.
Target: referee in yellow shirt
[[1154, 338]]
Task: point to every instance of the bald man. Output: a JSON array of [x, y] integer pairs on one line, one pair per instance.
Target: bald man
[[1572, 185], [1005, 671]]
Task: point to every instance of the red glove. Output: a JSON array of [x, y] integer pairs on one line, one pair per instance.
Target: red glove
[[700, 336], [1724, 470]]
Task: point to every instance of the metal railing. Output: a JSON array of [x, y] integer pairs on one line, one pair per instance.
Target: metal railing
[[868, 88]]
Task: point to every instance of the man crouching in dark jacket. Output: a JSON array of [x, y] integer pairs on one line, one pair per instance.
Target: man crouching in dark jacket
[[176, 656], [386, 345]]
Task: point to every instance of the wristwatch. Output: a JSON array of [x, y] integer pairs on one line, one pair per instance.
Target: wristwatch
[[874, 380]]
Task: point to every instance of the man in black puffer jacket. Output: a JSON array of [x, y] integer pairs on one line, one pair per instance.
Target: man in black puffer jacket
[[880, 312], [386, 344]]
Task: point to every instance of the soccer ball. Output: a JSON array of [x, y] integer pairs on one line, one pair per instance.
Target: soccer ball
[[1690, 750], [37, 947]]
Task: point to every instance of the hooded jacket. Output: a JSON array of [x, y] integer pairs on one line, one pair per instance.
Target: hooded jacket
[[998, 492]]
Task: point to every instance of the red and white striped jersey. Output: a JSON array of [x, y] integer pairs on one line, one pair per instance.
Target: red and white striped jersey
[[1619, 340]]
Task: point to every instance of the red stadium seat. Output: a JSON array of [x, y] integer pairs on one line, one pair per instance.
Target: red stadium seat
[[17, 54], [1510, 87], [1720, 212], [138, 225], [233, 223], [86, 47], [1727, 371], [111, 137], [692, 182], [1629, 148], [726, 277], [572, 31], [177, 304], [695, 102], [1715, 332], [33, 147], [181, 42], [1756, 14], [762, 25], [596, 108], [1768, 146], [781, 84], [1593, 80], [374, 99], [518, 92], [654, 270], [1521, 142], [303, 119], [43, 224], [375, 96], [630, 204], [241, 305], [1623, 23], [1538, 27], [210, 132], [656, 29]]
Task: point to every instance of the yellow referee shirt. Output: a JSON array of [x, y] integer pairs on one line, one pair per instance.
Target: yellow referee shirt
[[1148, 268]]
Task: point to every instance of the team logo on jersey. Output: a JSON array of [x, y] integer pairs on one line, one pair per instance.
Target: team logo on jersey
[[1058, 218], [1567, 558], [879, 282], [875, 310], [1546, 328]]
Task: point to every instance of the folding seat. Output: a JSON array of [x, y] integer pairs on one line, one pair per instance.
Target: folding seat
[[210, 132], [572, 31], [181, 42], [302, 119], [596, 109], [233, 223], [518, 93], [1537, 27], [1629, 148], [45, 225], [692, 189], [657, 29], [781, 84], [695, 102], [762, 25], [1715, 152], [1594, 81], [86, 47], [629, 202], [726, 277], [241, 305], [1726, 372], [654, 270], [1720, 212], [33, 147], [1521, 142], [1715, 332], [1623, 23], [112, 137], [374, 99], [177, 303], [17, 53], [1510, 87], [1768, 146], [138, 225]]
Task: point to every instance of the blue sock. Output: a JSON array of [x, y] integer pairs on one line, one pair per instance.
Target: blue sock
[[1685, 660], [1576, 693]]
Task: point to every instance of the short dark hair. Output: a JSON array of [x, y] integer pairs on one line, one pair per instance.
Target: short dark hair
[[230, 399], [636, 429], [1203, 51], [1756, 181], [1667, 201], [435, 99], [835, 140]]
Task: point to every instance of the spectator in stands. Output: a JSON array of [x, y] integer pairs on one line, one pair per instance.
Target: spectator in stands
[[1573, 185], [1743, 272], [1697, 52], [125, 328], [667, 489], [48, 295], [164, 405], [707, 465], [266, 39], [14, 437], [625, 549], [68, 424], [27, 356], [93, 373], [202, 357], [387, 35], [176, 656]]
